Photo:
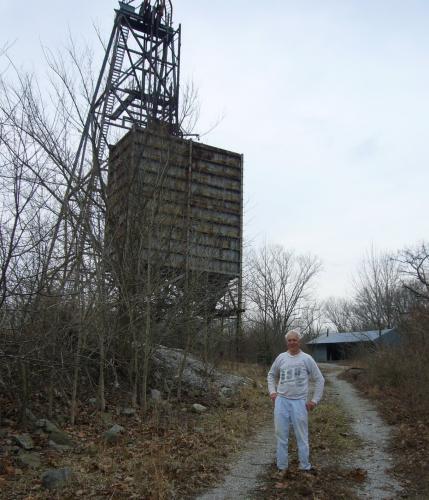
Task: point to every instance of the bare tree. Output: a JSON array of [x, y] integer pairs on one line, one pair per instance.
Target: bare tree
[[377, 292], [62, 301], [341, 313], [312, 321], [278, 289], [414, 268], [379, 298]]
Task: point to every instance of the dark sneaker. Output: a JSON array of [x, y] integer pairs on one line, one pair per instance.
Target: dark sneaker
[[280, 472], [312, 471]]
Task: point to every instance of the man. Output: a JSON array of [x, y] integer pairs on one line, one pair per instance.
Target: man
[[288, 381]]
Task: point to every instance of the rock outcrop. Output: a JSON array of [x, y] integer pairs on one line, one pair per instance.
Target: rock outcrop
[[197, 377]]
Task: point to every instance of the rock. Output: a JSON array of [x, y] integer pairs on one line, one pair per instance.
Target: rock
[[113, 434], [117, 428], [46, 425], [61, 438], [59, 447], [24, 441], [226, 392], [56, 478], [31, 460], [155, 395], [58, 437], [197, 377], [196, 408], [128, 412]]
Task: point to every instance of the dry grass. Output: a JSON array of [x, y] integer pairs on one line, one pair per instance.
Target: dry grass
[[403, 371], [168, 453], [397, 380]]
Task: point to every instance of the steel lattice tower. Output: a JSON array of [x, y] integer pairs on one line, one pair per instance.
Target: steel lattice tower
[[139, 80], [163, 196]]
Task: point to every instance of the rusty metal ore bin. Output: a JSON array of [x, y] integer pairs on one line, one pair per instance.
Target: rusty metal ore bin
[[177, 200]]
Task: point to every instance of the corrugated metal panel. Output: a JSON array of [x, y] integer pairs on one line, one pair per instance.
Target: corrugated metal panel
[[196, 190], [348, 337]]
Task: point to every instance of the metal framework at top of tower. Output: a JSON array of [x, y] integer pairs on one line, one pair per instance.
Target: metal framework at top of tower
[[139, 80]]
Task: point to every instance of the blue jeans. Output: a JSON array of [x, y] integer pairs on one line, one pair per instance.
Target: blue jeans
[[286, 412]]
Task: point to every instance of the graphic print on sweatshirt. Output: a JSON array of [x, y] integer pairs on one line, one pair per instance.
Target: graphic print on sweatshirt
[[293, 376]]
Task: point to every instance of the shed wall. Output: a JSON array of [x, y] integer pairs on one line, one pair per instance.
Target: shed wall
[[319, 352]]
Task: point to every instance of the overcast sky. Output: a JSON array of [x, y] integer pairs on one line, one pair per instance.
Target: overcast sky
[[327, 100]]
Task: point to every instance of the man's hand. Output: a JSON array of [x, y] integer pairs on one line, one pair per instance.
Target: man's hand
[[310, 405], [273, 396]]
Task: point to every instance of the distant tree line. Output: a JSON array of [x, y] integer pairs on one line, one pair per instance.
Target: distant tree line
[[390, 290]]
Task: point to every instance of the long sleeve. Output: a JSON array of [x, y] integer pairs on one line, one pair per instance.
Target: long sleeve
[[273, 376], [319, 380]]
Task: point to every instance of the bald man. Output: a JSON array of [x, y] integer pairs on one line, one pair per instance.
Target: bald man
[[288, 381]]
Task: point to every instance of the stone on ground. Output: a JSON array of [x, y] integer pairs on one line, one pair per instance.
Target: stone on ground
[[24, 441], [113, 434], [46, 425], [128, 412], [60, 438], [155, 395], [56, 478], [196, 408], [61, 448]]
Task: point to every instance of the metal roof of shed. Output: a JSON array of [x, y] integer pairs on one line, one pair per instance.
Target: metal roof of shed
[[348, 337]]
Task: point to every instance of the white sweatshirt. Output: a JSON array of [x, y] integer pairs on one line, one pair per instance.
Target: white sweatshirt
[[292, 374]]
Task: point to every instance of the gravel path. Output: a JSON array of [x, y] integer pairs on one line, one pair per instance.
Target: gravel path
[[372, 457], [252, 462], [375, 434]]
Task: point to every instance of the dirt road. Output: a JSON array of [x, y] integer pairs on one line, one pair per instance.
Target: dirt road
[[372, 457], [249, 464]]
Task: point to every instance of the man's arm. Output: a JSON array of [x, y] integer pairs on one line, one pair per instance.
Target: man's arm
[[272, 378], [316, 375]]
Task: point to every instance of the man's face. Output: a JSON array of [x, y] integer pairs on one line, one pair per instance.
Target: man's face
[[293, 344]]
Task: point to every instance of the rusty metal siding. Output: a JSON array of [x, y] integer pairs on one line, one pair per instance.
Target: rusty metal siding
[[197, 190]]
